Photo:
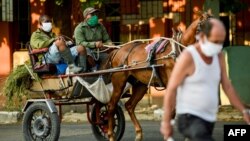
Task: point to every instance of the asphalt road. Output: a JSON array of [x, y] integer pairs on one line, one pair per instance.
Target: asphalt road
[[82, 132]]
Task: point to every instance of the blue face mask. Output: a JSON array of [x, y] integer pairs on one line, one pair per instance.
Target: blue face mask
[[93, 21]]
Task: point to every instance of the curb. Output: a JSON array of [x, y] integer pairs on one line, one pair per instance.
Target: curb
[[15, 117], [82, 117], [227, 113], [9, 117]]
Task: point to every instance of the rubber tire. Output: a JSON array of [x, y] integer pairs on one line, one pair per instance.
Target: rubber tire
[[54, 121], [120, 128]]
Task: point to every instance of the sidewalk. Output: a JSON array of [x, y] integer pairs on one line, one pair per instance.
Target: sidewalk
[[226, 113], [143, 111]]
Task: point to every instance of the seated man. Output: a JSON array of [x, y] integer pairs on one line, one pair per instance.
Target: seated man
[[90, 33], [43, 37]]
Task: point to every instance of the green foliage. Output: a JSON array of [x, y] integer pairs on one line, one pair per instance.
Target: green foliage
[[59, 2], [16, 85], [91, 3], [233, 6], [84, 3]]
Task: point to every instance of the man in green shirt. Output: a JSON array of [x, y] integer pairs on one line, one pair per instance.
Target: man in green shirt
[[90, 33], [43, 37]]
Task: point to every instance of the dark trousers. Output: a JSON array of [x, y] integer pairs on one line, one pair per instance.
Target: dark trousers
[[195, 128]]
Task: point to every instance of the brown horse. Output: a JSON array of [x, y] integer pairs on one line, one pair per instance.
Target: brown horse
[[134, 55]]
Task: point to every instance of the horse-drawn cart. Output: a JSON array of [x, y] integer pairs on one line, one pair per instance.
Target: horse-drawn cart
[[136, 62], [100, 91], [43, 113]]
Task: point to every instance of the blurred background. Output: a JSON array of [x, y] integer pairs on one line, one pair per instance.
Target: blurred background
[[125, 20]]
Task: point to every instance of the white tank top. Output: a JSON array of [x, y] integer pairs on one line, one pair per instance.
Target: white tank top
[[198, 94]]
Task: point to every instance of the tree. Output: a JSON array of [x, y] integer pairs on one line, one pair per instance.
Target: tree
[[84, 3]]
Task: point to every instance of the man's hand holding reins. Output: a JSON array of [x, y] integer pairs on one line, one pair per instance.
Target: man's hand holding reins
[[98, 44]]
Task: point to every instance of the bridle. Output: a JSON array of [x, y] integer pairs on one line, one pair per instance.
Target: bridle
[[204, 18]]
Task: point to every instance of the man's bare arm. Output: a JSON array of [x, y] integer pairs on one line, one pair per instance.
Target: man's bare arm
[[183, 67], [229, 89]]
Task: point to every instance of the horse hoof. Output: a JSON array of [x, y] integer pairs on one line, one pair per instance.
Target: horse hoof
[[111, 139], [138, 137]]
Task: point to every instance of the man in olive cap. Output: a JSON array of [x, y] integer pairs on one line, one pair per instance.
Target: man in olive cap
[[90, 33]]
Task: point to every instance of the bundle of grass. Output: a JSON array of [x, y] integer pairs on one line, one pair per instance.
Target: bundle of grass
[[15, 88]]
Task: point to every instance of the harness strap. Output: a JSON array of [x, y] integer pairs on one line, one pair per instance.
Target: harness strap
[[152, 75], [155, 75], [130, 50]]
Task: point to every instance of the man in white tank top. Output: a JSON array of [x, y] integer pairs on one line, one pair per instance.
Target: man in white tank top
[[193, 86]]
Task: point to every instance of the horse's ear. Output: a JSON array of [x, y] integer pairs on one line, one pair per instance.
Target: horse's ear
[[179, 30], [199, 12], [174, 34], [207, 15], [179, 35]]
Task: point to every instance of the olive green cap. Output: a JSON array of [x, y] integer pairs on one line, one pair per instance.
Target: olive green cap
[[89, 10]]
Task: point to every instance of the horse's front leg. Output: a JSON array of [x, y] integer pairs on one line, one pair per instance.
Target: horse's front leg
[[111, 108], [120, 83], [138, 92]]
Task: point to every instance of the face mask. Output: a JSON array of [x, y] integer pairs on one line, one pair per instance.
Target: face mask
[[47, 27], [93, 21], [209, 48]]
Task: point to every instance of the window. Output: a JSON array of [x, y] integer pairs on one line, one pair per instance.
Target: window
[[6, 10], [129, 6], [112, 9]]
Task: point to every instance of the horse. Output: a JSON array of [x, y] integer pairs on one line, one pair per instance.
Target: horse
[[134, 55]]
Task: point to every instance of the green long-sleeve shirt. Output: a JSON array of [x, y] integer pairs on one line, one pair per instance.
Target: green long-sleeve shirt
[[87, 36], [40, 39]]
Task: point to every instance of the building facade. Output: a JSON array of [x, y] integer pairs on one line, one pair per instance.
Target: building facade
[[125, 20]]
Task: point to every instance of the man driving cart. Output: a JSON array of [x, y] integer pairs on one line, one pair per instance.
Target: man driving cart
[[90, 33]]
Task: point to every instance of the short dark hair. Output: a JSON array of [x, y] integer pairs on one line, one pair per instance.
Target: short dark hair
[[206, 27], [43, 18]]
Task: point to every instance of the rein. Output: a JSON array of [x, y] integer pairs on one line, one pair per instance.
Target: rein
[[172, 54], [145, 40]]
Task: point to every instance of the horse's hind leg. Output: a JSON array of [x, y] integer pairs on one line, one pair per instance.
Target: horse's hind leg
[[138, 92]]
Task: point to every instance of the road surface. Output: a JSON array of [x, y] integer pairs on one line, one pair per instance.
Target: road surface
[[82, 132]]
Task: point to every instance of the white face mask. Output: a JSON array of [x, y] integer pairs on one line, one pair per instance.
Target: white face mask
[[47, 26], [209, 48]]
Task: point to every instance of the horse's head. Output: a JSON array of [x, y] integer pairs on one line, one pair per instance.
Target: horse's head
[[188, 36], [204, 16], [176, 35]]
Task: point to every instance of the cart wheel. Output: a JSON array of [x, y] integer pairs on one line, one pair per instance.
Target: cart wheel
[[100, 130], [40, 124]]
